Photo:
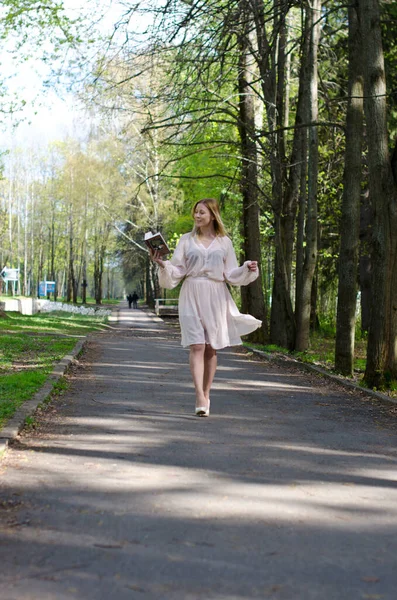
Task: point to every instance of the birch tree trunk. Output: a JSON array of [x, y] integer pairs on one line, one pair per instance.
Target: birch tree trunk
[[25, 244], [252, 295], [350, 217], [33, 283], [70, 294], [71, 281], [289, 198], [382, 335], [153, 289]]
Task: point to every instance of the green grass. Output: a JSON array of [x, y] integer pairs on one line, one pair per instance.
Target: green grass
[[29, 348], [60, 387], [21, 352], [321, 351], [54, 322], [16, 388]]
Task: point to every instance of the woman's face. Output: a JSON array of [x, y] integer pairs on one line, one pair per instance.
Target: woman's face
[[202, 215]]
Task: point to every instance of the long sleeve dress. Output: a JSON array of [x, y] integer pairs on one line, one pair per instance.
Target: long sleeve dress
[[207, 311]]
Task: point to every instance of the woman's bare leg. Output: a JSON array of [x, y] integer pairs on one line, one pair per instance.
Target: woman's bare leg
[[196, 361], [210, 362]]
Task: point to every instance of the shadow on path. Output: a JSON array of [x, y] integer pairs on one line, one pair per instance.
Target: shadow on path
[[288, 490]]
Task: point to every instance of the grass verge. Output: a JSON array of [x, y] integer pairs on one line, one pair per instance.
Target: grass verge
[[61, 323], [322, 354], [15, 389], [30, 346]]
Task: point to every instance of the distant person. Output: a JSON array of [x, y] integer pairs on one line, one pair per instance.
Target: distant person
[[135, 299], [205, 260], [130, 300]]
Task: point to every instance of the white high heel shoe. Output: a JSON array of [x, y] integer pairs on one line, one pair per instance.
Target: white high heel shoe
[[202, 411]]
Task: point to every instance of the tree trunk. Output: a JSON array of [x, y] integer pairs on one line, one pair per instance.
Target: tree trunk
[[98, 273], [381, 350], [153, 289], [40, 264], [301, 140], [272, 66], [350, 217], [84, 283], [252, 295], [290, 187], [310, 261], [85, 251], [71, 284], [365, 268], [52, 252], [282, 322], [25, 250]]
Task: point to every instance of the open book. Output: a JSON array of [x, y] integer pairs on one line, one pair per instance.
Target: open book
[[155, 241]]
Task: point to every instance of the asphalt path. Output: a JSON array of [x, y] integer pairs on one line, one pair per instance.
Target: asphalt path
[[288, 491]]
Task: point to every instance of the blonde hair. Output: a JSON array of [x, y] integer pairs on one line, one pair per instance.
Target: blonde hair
[[213, 207]]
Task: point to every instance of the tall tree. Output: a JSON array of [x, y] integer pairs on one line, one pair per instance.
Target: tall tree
[[350, 217], [252, 296], [382, 346], [311, 249]]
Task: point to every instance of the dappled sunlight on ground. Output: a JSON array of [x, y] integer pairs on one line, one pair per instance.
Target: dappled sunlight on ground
[[122, 492]]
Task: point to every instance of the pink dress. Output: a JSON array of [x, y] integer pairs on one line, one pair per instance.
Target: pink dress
[[207, 311]]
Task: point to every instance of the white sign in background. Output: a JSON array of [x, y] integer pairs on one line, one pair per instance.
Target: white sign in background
[[10, 274]]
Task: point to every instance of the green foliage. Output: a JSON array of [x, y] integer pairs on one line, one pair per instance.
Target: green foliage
[[180, 225], [327, 328], [206, 172], [389, 36], [33, 26], [78, 192], [389, 382], [32, 31], [360, 364]]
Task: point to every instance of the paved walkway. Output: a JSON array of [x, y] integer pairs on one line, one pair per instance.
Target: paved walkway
[[288, 491]]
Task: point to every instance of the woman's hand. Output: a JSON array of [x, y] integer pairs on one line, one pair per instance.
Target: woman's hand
[[155, 257], [252, 265]]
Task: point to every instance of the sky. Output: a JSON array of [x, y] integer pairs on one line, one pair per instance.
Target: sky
[[48, 114]]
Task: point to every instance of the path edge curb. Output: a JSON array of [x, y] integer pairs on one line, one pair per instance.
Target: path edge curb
[[319, 371], [17, 421], [14, 425]]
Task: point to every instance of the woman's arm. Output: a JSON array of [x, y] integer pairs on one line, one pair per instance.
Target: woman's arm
[[236, 275], [171, 272]]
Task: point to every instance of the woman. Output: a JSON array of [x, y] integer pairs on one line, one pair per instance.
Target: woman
[[208, 316]]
